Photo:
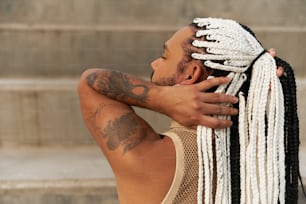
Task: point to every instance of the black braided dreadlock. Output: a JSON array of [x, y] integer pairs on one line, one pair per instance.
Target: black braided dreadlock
[[291, 130]]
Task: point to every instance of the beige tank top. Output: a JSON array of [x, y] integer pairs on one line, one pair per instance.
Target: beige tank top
[[185, 183]]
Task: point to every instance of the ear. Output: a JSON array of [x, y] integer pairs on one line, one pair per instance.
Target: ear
[[192, 74]]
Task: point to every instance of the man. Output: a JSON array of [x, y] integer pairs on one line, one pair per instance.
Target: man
[[146, 163]]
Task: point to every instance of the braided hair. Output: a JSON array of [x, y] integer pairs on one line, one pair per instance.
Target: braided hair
[[257, 158], [291, 131]]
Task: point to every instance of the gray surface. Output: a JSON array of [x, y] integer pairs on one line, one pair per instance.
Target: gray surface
[[53, 163], [19, 163], [64, 51], [55, 175], [53, 39], [63, 175], [159, 12], [47, 112], [58, 192]]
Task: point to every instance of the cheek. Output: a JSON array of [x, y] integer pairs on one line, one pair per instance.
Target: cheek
[[165, 78], [165, 81], [153, 76], [157, 76]]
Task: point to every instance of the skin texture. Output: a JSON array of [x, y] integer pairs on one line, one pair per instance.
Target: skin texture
[[142, 161]]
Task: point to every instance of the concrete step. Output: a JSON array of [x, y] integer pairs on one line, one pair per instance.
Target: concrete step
[[99, 191], [47, 51], [108, 12], [25, 162], [64, 175], [66, 50], [55, 175], [41, 112], [47, 112]]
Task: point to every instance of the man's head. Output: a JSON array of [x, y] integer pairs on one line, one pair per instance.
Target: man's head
[[208, 46], [176, 66]]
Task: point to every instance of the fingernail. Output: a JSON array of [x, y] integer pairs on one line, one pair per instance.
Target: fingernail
[[236, 111], [236, 100], [227, 79], [273, 51], [281, 69]]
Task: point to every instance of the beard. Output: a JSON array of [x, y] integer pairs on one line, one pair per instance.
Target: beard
[[164, 81]]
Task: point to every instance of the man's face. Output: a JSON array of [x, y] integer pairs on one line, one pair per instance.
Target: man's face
[[165, 68]]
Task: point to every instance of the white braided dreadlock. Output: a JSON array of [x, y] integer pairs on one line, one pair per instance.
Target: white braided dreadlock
[[230, 47]]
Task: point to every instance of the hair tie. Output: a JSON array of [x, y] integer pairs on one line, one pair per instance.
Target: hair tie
[[260, 54]]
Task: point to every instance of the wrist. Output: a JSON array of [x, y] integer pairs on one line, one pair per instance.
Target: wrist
[[157, 100]]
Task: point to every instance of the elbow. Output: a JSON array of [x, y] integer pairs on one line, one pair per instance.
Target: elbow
[[86, 80], [82, 85], [86, 73]]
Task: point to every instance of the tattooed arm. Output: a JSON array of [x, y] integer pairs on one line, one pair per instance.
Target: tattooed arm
[[125, 138], [121, 87], [114, 125], [189, 105], [133, 149]]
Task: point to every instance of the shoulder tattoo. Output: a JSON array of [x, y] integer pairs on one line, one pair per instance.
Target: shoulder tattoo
[[120, 131]]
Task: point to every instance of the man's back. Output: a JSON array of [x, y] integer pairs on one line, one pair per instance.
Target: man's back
[[147, 174]]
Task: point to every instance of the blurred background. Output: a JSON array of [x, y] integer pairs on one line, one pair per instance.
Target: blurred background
[[46, 152]]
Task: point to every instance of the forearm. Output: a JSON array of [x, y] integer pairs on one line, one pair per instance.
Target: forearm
[[123, 87]]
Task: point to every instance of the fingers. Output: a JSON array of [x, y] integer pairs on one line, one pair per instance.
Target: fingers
[[218, 98], [279, 71], [207, 113], [214, 109], [215, 123], [210, 83]]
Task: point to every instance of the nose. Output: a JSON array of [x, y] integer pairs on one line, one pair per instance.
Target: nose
[[154, 64]]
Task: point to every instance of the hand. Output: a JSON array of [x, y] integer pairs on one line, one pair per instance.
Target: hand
[[191, 105]]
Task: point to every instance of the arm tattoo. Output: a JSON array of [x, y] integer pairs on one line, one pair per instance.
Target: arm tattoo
[[120, 131], [118, 86]]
